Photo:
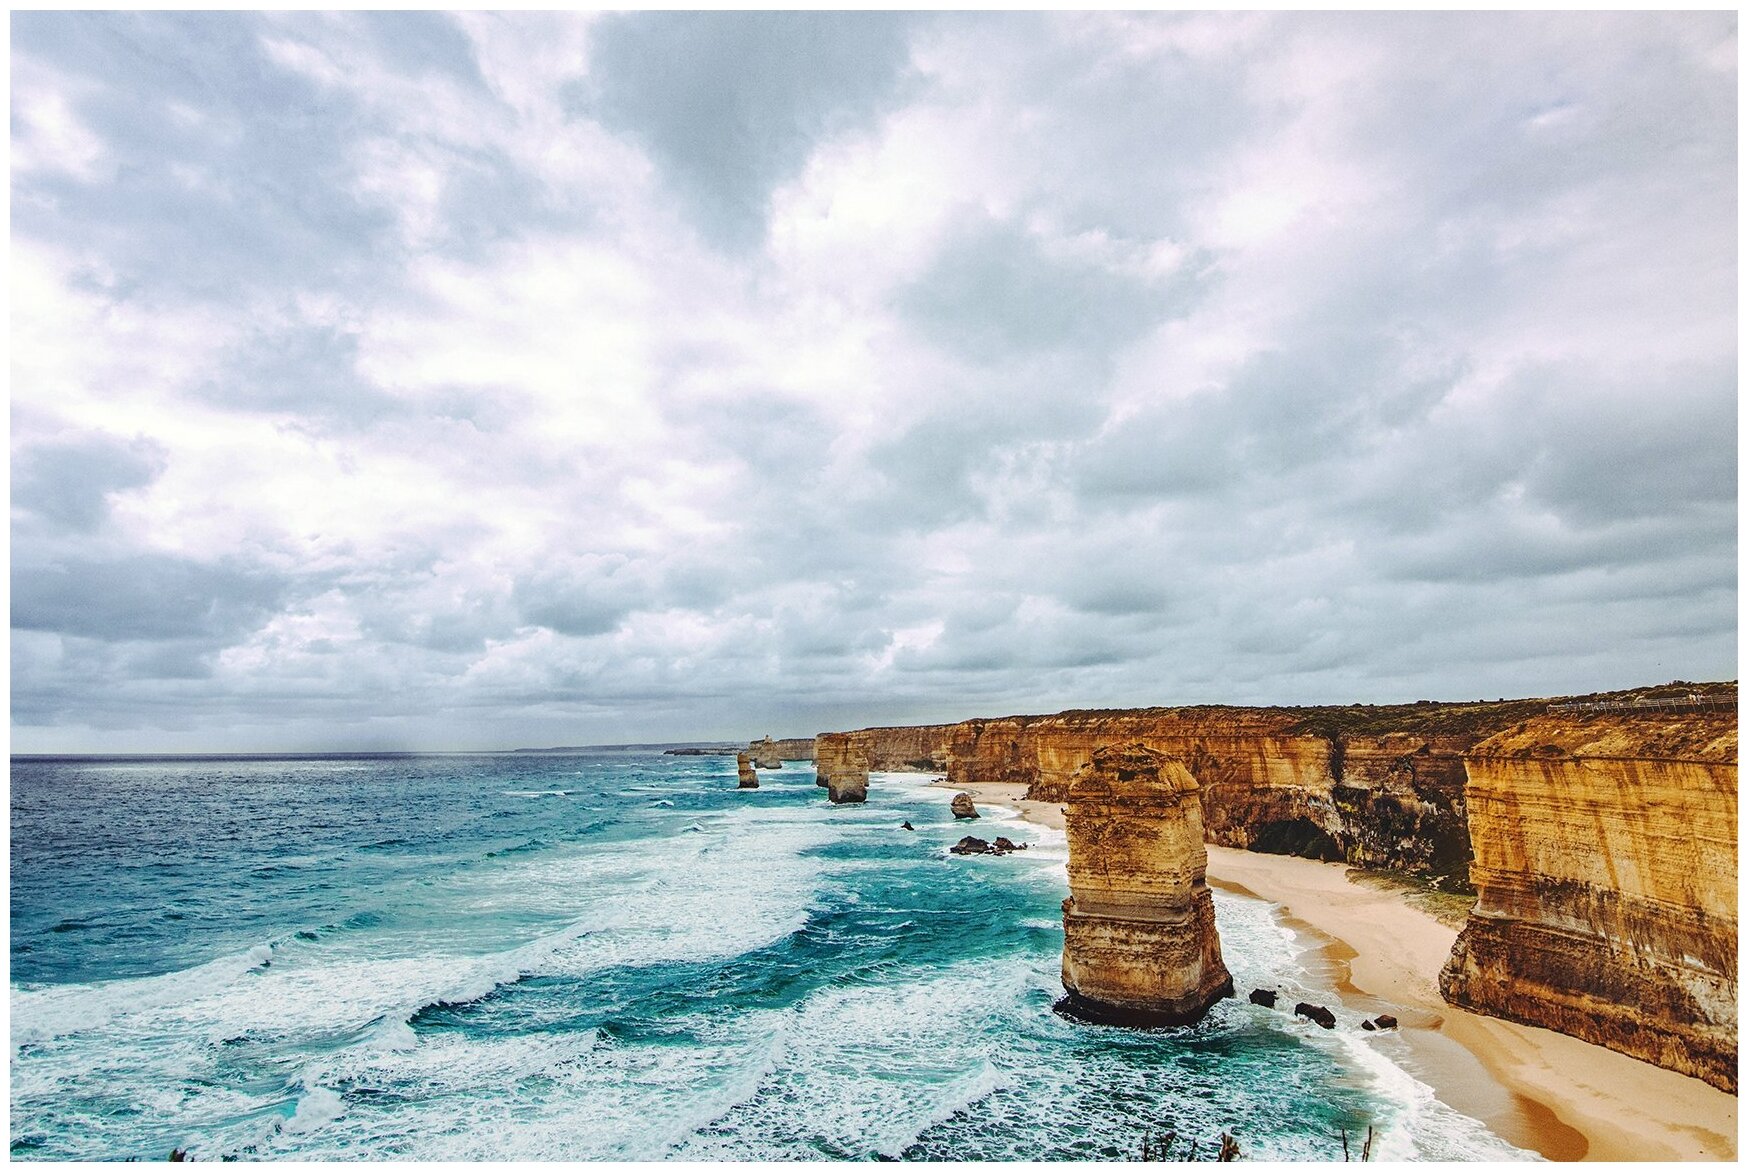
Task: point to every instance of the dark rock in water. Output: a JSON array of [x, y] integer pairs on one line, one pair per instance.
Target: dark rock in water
[[963, 806], [1077, 1008], [1316, 1013], [1263, 997], [1386, 1022], [907, 826], [1367, 1025], [976, 846]]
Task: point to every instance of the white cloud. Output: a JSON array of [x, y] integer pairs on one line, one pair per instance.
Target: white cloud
[[1081, 359]]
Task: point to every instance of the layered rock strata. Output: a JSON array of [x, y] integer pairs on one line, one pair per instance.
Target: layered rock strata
[[842, 763], [1331, 784], [1605, 862], [1603, 834], [1140, 946], [765, 754], [744, 767], [794, 748]]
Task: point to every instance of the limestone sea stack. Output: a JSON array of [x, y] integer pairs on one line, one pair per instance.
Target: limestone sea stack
[[1140, 944], [842, 762], [765, 754], [748, 779], [963, 806]]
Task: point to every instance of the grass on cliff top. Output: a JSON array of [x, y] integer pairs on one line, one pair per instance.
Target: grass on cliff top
[[1447, 907], [1472, 718], [1477, 718]]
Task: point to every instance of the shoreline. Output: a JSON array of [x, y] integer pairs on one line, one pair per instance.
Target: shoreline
[[1537, 1089]]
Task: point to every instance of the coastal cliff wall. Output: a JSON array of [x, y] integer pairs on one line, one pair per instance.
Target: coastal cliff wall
[[1310, 782], [1605, 861], [1600, 836], [920, 748], [794, 749]]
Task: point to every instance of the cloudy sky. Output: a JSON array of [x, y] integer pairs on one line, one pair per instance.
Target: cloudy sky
[[448, 381]]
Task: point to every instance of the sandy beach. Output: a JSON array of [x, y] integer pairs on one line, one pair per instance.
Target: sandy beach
[[1541, 1090]]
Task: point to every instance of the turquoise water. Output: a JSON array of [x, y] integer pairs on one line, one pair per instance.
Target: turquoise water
[[610, 955]]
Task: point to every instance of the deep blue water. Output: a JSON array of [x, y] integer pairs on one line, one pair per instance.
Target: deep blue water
[[608, 955]]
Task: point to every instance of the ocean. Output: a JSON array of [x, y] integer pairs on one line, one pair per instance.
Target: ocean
[[614, 954]]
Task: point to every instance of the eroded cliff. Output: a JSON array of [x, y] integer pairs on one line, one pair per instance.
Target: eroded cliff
[[1332, 784], [1600, 833], [793, 748], [1605, 862]]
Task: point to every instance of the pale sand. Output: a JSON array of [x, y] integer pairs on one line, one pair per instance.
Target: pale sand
[[1538, 1089]]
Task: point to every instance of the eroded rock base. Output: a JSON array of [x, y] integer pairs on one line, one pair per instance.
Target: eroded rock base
[[1155, 971], [1591, 989]]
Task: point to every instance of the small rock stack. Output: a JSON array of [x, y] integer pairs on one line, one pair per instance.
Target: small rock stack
[[744, 764]]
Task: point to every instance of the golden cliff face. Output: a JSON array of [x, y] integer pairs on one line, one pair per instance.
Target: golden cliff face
[[765, 755], [1140, 946], [1605, 861], [1602, 842], [921, 748], [1270, 780], [794, 748]]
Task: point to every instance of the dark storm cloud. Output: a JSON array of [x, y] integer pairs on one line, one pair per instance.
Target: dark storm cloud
[[240, 191], [733, 103], [144, 596], [68, 483], [302, 370], [993, 297]]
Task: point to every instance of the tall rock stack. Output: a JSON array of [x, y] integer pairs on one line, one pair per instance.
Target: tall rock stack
[[748, 779], [1605, 859], [842, 762], [765, 754], [1140, 944]]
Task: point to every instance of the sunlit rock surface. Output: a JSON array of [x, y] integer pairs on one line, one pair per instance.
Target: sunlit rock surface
[[1140, 944], [842, 763], [1605, 859]]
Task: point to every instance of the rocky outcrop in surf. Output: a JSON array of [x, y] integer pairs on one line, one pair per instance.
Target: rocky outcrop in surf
[[963, 806], [1605, 861], [842, 763], [1140, 946], [748, 778]]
